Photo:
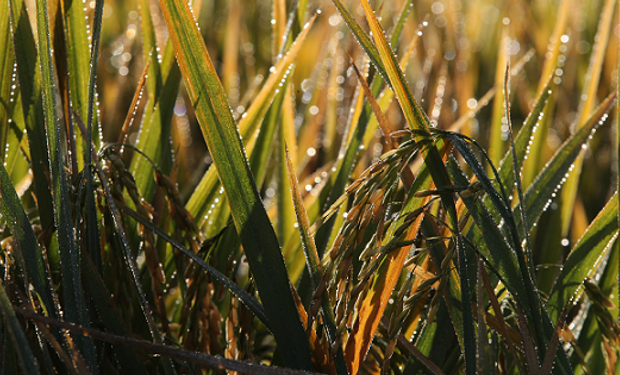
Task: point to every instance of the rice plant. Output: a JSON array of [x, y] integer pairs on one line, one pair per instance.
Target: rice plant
[[287, 187]]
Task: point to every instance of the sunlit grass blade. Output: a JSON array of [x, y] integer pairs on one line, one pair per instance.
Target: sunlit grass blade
[[541, 192], [78, 56], [278, 25], [154, 140], [376, 109], [517, 169], [314, 266], [257, 235], [587, 103], [163, 81], [150, 53], [362, 38], [312, 257], [28, 72], [534, 162], [207, 190], [21, 345], [218, 215], [416, 118], [7, 60], [264, 146], [16, 144], [590, 340], [585, 258], [496, 141], [286, 210], [506, 166]]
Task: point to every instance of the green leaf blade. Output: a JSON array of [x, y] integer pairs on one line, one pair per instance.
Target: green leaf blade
[[249, 215], [585, 258], [74, 300], [28, 73]]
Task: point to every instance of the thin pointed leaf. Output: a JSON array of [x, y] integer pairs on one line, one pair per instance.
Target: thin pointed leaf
[[150, 53], [78, 65], [376, 109], [543, 189], [257, 235], [517, 168], [363, 39], [28, 72], [533, 163], [284, 199], [590, 339], [7, 59], [506, 166], [314, 265], [155, 130], [586, 106], [208, 190], [154, 140], [312, 257], [496, 141], [74, 301], [585, 258], [92, 138], [497, 249]]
